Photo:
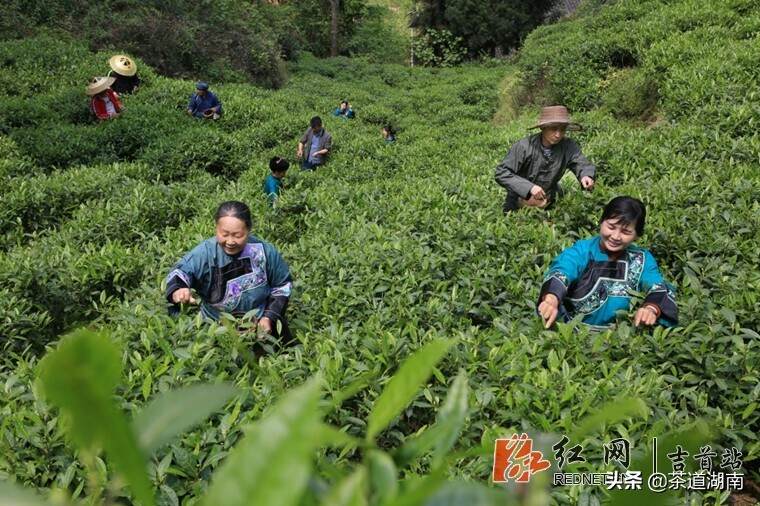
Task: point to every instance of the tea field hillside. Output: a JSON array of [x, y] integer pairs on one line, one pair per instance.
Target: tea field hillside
[[391, 246]]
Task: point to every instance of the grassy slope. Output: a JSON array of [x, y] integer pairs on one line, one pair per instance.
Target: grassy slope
[[399, 10]]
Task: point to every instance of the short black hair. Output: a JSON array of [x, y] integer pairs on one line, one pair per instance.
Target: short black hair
[[236, 209], [628, 211], [278, 164], [316, 122]]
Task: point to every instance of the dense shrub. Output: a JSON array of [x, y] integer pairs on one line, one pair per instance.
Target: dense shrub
[[376, 39], [226, 40], [491, 27], [688, 50], [13, 162], [96, 254], [629, 93], [32, 204], [438, 48]]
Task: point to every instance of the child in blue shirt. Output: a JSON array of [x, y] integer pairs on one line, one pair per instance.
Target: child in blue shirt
[[388, 134], [273, 183]]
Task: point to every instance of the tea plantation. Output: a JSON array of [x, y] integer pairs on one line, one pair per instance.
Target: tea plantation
[[391, 246]]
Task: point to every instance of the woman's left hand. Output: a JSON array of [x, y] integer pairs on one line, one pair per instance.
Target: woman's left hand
[[265, 325], [645, 315]]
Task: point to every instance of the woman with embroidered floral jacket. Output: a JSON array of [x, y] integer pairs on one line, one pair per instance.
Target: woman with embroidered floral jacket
[[234, 273], [595, 277]]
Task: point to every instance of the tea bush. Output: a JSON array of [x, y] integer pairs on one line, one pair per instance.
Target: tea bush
[[394, 246], [40, 202], [629, 93]]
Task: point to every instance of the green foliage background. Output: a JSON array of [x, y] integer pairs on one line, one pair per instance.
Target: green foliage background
[[484, 27], [219, 40], [391, 246]]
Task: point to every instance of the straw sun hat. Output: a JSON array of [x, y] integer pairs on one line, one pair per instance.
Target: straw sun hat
[[99, 85], [123, 65], [556, 115]]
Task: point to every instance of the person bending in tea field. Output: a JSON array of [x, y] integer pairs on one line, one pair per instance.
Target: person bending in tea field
[[317, 142], [234, 272], [534, 165], [594, 277], [124, 70], [203, 103], [278, 167], [389, 135], [105, 103], [344, 110]]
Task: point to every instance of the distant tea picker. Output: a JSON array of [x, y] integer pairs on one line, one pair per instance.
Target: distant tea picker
[[344, 110], [203, 103], [278, 167], [389, 135], [314, 146], [105, 103], [124, 71], [534, 165]]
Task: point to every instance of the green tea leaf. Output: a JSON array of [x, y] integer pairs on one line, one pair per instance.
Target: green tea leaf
[[750, 409], [79, 377], [419, 444], [12, 494], [176, 411], [271, 464], [451, 416], [330, 436], [352, 389], [471, 494], [416, 491], [383, 477], [610, 413], [405, 384], [350, 491], [444, 432]]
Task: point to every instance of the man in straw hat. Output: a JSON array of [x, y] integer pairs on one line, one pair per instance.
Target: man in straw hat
[[125, 72], [534, 165], [105, 104], [203, 103]]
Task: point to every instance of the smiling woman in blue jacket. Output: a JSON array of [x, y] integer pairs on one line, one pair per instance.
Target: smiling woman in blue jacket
[[595, 277], [234, 272]]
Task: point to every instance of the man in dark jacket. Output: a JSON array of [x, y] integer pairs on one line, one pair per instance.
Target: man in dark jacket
[[534, 165], [317, 143]]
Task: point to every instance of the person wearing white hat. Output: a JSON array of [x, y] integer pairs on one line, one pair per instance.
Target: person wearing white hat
[[124, 70], [105, 103], [534, 165]]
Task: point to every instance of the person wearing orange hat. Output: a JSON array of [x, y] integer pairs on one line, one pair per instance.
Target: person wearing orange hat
[[534, 165], [105, 103], [124, 70]]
